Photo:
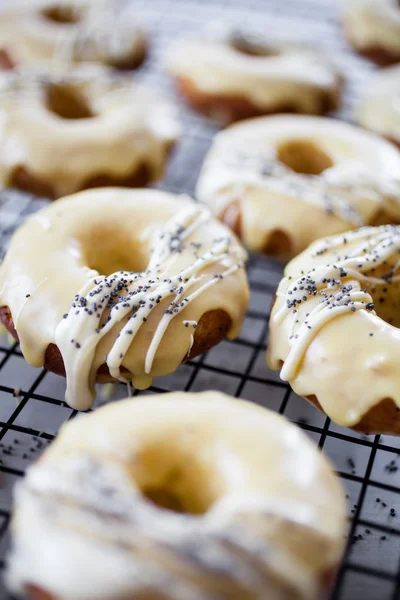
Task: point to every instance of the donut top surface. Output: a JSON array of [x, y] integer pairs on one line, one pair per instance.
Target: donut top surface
[[373, 24], [70, 125], [282, 166], [268, 72], [254, 509], [119, 277], [72, 30], [335, 322], [380, 109]]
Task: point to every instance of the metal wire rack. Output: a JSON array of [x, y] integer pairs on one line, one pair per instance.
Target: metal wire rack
[[31, 400]]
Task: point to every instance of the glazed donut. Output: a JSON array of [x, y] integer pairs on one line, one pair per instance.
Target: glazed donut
[[380, 108], [74, 30], [239, 77], [334, 328], [116, 284], [68, 130], [151, 498], [280, 182], [373, 28]]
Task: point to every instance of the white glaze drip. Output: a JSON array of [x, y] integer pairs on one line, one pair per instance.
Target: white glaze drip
[[339, 286], [129, 298]]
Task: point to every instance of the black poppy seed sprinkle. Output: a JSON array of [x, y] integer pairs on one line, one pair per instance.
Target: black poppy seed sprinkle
[[391, 467]]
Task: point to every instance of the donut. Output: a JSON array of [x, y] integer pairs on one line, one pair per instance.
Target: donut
[[152, 498], [373, 28], [379, 110], [114, 284], [75, 30], [281, 182], [334, 328], [241, 76], [79, 128]]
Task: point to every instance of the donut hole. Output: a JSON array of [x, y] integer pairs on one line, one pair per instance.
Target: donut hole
[[61, 14], [278, 244], [177, 494], [66, 102], [304, 156], [108, 250], [171, 478], [164, 499], [251, 46]]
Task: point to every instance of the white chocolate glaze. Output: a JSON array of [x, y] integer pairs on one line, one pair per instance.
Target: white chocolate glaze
[[334, 324], [288, 75], [131, 126], [373, 24], [361, 186], [182, 264], [105, 32], [380, 108], [263, 514]]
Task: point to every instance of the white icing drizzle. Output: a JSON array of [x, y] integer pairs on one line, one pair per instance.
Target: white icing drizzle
[[132, 127], [109, 32], [128, 520], [269, 173], [29, 81], [332, 190], [128, 299], [361, 186], [339, 286], [258, 539]]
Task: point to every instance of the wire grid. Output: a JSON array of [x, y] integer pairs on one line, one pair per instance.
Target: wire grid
[[31, 400]]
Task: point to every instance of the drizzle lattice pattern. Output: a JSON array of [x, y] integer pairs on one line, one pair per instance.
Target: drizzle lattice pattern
[[367, 464]]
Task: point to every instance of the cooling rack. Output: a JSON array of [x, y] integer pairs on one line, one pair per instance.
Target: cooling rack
[[31, 400]]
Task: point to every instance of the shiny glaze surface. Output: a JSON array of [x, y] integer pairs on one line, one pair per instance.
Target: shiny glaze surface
[[262, 513], [120, 277]]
